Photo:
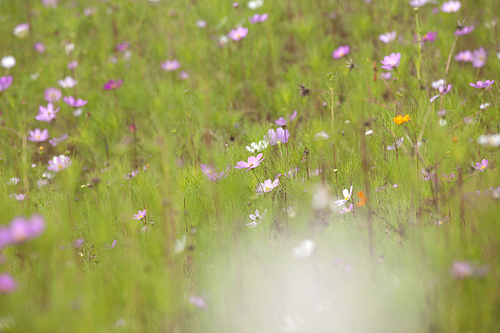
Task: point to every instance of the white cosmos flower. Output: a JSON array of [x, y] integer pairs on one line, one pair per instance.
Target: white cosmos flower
[[256, 218], [304, 250], [321, 135], [484, 106], [397, 145], [69, 48], [257, 147], [255, 4], [347, 195], [8, 62], [491, 140], [387, 37], [180, 245], [67, 82], [438, 83], [369, 132]]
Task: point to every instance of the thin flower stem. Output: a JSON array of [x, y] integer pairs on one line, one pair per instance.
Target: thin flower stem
[[449, 59], [419, 36]]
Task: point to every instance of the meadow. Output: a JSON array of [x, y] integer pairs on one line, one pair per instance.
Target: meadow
[[261, 166]]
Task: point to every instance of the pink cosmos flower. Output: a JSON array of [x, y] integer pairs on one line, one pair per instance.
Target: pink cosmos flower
[[18, 197], [140, 215], [387, 37], [5, 82], [21, 230], [267, 186], [22, 30], [39, 47], [211, 173], [47, 113], [8, 284], [346, 210], [238, 33], [76, 103], [479, 57], [256, 218], [252, 162], [282, 121], [50, 3], [341, 51], [465, 269], [429, 37], [55, 141], [464, 56], [386, 75], [481, 166], [443, 90], [451, 6], [257, 18], [122, 47], [418, 3], [198, 301], [481, 84], [112, 84], [463, 31], [183, 75], [59, 163], [52, 95], [112, 246], [73, 64], [39, 136], [391, 61], [277, 137], [170, 66]]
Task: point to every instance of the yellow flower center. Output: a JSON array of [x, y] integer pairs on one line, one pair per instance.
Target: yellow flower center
[[267, 189], [60, 166]]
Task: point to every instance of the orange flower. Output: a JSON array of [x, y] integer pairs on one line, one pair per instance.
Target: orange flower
[[400, 119], [362, 198]]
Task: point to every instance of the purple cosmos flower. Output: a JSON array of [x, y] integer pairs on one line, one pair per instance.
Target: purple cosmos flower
[[267, 186], [346, 210], [67, 82], [277, 137], [112, 84], [5, 82], [238, 33], [122, 47], [443, 90], [52, 95], [170, 66], [73, 64], [47, 113], [59, 163], [257, 18], [465, 269], [18, 197], [212, 174], [429, 37], [89, 11], [140, 215], [464, 56], [481, 166], [341, 51], [252, 162], [479, 57], [22, 30], [282, 121], [481, 84], [7, 284], [78, 243], [451, 6], [386, 75], [112, 246], [183, 75], [39, 47], [347, 195], [464, 31], [21, 230], [198, 302], [55, 141], [418, 3], [76, 103], [387, 37], [39, 136], [391, 61]]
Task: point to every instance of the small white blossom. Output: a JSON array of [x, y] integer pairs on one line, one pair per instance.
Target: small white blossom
[[304, 250], [8, 62]]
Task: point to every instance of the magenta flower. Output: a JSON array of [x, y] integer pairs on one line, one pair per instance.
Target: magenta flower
[[479, 57], [257, 18], [140, 215], [451, 6], [341, 51], [112, 246], [252, 162], [387, 37], [39, 47], [21, 230], [346, 210], [212, 174], [391, 61], [112, 84], [464, 56], [481, 166], [55, 141], [277, 137], [170, 66], [267, 186], [429, 37], [59, 163], [76, 103], [73, 64], [464, 31], [5, 82], [39, 136], [291, 117], [46, 113], [123, 46], [7, 284], [52, 95], [481, 84], [238, 33]]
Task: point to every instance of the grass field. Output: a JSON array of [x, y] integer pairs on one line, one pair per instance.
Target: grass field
[[270, 166]]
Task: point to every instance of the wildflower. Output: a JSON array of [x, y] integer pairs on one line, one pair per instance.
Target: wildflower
[[429, 37], [238, 33], [386, 75], [89, 11], [479, 57], [7, 284], [52, 95], [122, 47], [67, 82], [73, 64], [39, 136], [347, 195], [484, 106], [277, 137], [391, 62], [21, 230], [463, 31], [18, 197], [197, 301], [22, 30], [112, 84], [50, 3], [369, 132], [112, 246], [481, 84], [252, 162], [387, 37], [140, 215], [341, 51], [267, 186], [441, 122], [5, 82], [59, 163], [443, 90], [211, 173], [68, 48], [346, 210], [55, 141], [400, 119], [39, 47], [427, 175], [396, 145], [13, 181], [304, 250], [418, 3], [8, 62], [78, 243], [465, 269], [321, 135], [491, 140], [170, 65], [481, 166], [363, 198], [258, 18], [201, 24], [254, 4], [447, 177], [257, 147], [282, 121], [464, 56], [46, 113], [256, 218], [76, 103], [451, 6]]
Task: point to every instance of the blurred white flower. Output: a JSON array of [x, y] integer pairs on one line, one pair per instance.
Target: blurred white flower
[[13, 181], [369, 132], [22, 30], [484, 106], [304, 250], [491, 140], [35, 76], [257, 147], [397, 145], [67, 82], [180, 245], [201, 24], [321, 197], [321, 135], [442, 122], [438, 83], [255, 4], [69, 48], [8, 62], [256, 218], [77, 112]]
